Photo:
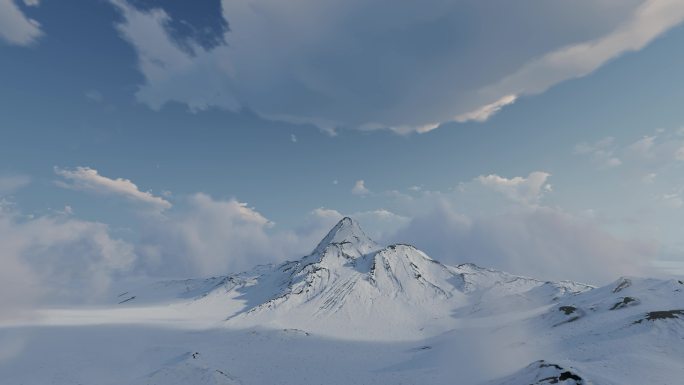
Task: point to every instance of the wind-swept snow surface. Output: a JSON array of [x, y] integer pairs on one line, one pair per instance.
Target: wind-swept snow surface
[[354, 312]]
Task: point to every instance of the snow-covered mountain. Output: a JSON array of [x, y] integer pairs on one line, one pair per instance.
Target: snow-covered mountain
[[353, 311], [350, 287]]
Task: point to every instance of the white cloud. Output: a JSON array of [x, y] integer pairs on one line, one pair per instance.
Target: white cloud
[[88, 179], [519, 189], [381, 224], [536, 241], [360, 188], [328, 214], [60, 256], [15, 27], [208, 237], [649, 20], [293, 138], [485, 112], [56, 258], [213, 237], [51, 259], [321, 63], [502, 223]]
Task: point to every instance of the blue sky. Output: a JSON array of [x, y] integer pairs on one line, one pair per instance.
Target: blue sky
[[532, 137]]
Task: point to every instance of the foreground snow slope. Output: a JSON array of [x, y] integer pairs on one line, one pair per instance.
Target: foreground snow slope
[[353, 312]]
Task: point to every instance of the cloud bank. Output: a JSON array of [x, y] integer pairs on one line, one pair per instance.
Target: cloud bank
[[494, 221], [541, 242], [408, 67], [504, 223], [54, 258]]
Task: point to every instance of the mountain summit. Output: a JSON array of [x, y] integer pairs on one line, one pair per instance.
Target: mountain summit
[[349, 238]]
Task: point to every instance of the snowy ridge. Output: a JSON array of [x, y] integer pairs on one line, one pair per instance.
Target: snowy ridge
[[622, 305]]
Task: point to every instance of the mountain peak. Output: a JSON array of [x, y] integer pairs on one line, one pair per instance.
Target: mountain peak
[[347, 233]]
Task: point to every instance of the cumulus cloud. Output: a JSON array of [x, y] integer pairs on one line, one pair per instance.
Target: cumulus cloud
[[59, 256], [503, 223], [15, 27], [212, 237], [520, 189], [360, 188], [88, 179], [56, 258], [207, 237], [537, 241], [341, 64]]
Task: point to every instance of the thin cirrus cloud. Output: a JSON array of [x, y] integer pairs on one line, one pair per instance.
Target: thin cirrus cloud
[[88, 179], [15, 27], [650, 154], [351, 64], [602, 151]]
